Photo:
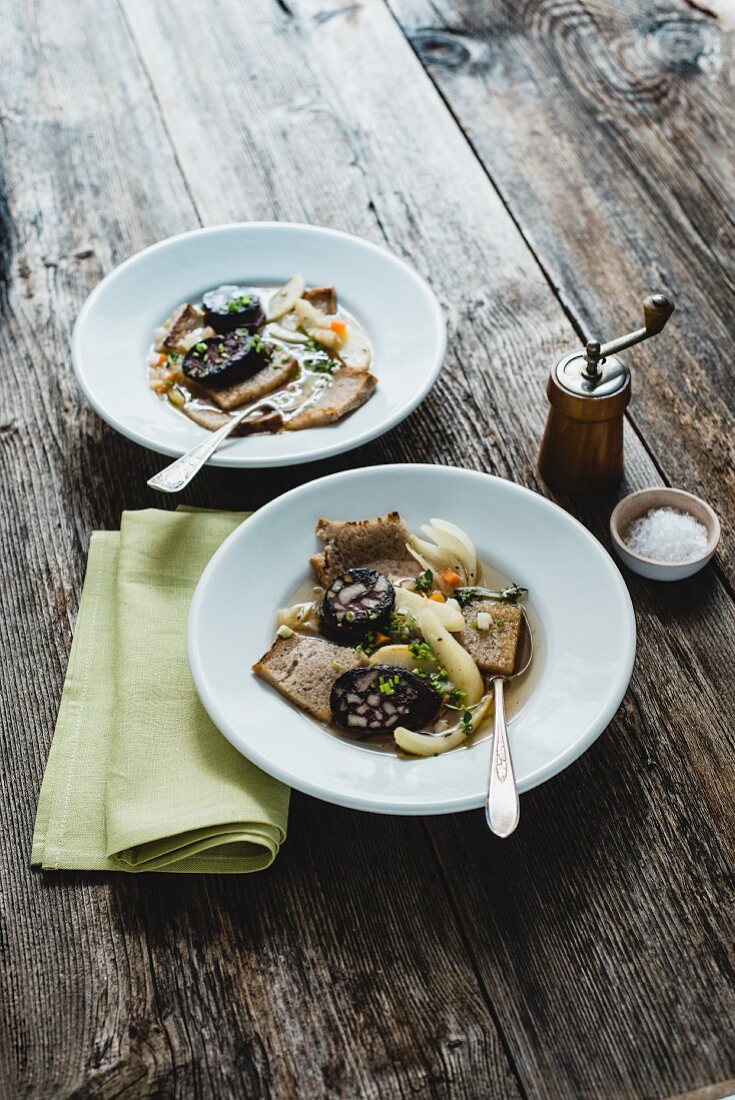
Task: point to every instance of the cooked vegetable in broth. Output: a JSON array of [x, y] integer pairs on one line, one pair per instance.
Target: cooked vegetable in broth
[[397, 643], [292, 352]]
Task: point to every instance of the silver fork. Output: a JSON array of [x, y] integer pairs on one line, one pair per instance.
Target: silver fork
[[176, 476]]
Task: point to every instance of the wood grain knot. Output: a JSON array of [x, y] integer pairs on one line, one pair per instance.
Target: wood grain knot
[[686, 47], [439, 49]]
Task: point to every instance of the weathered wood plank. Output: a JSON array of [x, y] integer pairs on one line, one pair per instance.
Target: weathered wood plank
[[452, 226], [608, 132], [309, 980]]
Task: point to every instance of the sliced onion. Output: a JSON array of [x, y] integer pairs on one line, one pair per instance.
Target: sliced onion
[[296, 616], [453, 538], [355, 352], [289, 336], [285, 298]]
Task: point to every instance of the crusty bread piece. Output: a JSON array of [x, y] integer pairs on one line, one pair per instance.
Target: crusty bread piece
[[349, 389], [304, 668], [493, 650], [260, 384], [184, 320], [350, 543], [212, 419], [323, 298]]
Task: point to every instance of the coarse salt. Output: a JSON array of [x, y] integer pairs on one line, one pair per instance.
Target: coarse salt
[[666, 534]]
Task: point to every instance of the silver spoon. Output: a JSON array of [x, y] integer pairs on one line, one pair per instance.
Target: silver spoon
[[502, 809], [176, 476]]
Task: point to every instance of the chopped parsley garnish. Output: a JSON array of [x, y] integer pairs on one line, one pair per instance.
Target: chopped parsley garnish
[[200, 347], [512, 594], [241, 302], [467, 722], [425, 582], [387, 684], [367, 646], [401, 624], [439, 681], [422, 651]]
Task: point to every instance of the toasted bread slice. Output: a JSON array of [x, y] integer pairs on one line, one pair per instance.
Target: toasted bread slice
[[212, 419], [322, 297], [260, 384], [493, 650], [349, 389], [379, 543], [185, 320], [304, 667]]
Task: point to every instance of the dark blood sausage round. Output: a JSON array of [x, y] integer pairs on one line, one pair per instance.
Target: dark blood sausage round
[[356, 603], [225, 360], [380, 698], [231, 307]]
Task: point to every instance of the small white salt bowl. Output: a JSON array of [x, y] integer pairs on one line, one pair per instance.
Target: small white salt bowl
[[638, 504]]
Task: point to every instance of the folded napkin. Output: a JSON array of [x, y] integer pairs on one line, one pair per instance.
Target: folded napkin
[[138, 777]]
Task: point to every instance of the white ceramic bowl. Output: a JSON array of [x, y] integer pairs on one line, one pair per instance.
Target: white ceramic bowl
[[113, 332], [636, 505], [581, 615]]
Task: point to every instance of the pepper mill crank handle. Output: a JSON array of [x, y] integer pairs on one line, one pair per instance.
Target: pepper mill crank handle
[[657, 308]]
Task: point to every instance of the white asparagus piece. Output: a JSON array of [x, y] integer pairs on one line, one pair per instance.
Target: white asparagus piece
[[461, 669], [427, 744], [448, 614]]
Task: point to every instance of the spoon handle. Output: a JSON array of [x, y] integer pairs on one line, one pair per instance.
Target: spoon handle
[[176, 476], [502, 809]]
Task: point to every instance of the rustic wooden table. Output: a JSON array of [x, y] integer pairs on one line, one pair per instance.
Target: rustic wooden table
[[543, 164]]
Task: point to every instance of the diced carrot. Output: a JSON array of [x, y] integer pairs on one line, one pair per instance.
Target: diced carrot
[[450, 577], [381, 639], [161, 360], [339, 327], [437, 597]]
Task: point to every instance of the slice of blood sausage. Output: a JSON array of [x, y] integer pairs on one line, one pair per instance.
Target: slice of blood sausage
[[378, 699], [356, 603], [231, 307], [225, 360]]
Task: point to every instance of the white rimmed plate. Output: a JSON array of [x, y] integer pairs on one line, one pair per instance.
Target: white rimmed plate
[[114, 328], [584, 652]]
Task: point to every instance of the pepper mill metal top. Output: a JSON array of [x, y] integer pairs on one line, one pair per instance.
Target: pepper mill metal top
[[596, 371], [582, 448]]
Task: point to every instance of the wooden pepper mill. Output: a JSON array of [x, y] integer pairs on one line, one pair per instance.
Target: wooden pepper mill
[[582, 448]]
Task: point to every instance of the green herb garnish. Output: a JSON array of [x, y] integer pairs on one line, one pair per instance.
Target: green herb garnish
[[241, 302], [512, 594], [422, 651], [425, 582]]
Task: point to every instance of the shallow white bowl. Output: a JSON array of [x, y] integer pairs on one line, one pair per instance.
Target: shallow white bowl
[[636, 505], [583, 624], [113, 332]]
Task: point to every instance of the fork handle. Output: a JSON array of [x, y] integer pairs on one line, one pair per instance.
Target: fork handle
[[502, 809], [176, 476]]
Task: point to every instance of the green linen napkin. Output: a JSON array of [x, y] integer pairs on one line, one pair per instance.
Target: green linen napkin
[[138, 777]]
